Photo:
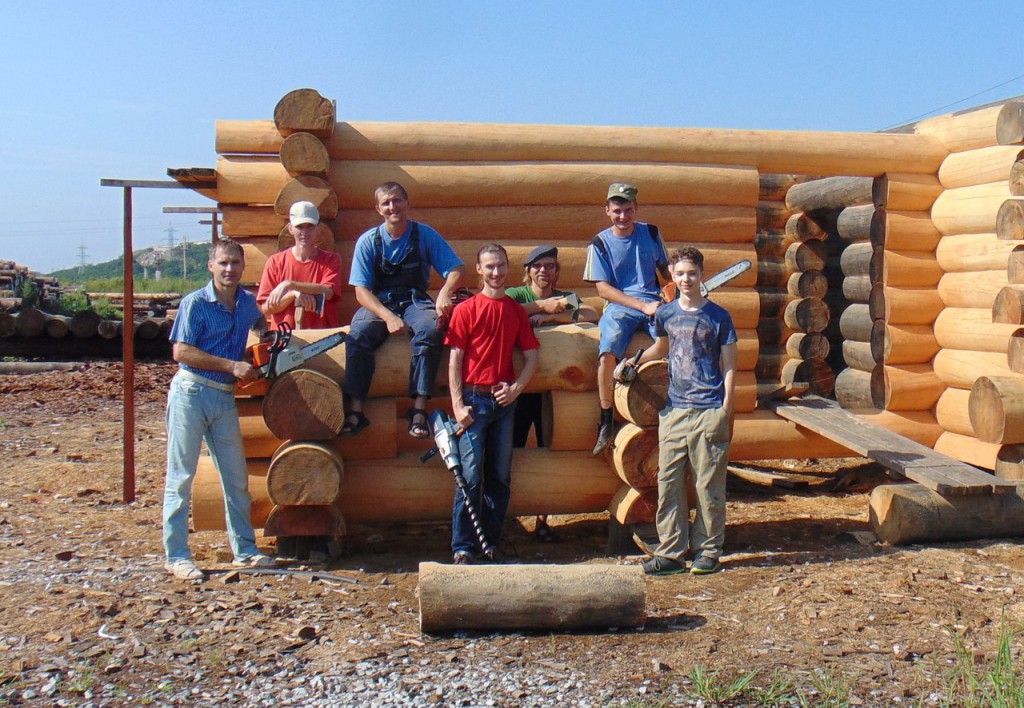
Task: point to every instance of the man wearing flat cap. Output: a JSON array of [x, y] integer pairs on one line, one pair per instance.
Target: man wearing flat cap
[[623, 262], [303, 276], [546, 305]]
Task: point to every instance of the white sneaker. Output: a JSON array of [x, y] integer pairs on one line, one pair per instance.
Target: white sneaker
[[257, 561], [185, 569]]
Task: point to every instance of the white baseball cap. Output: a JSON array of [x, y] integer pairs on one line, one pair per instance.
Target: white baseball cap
[[303, 213]]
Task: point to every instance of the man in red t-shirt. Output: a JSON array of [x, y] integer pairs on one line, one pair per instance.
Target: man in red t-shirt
[[302, 276], [482, 334]]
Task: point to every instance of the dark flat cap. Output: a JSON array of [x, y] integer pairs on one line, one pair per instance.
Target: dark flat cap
[[540, 252]]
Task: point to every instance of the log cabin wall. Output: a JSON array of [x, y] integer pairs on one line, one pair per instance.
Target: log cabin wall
[[722, 190]]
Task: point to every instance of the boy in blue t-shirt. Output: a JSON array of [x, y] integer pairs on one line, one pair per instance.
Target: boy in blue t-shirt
[[623, 262], [695, 427]]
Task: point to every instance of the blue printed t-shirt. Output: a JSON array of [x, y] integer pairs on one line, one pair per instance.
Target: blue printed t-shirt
[[203, 322], [434, 251], [631, 264], [695, 341]]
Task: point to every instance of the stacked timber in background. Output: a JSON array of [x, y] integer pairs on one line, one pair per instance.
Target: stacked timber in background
[[977, 316], [522, 185]]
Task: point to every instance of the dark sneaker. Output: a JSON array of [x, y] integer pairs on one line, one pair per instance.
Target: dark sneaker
[[605, 433], [660, 565], [705, 565], [462, 558]]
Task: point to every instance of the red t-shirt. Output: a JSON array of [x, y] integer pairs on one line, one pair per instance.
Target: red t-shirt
[[487, 330], [323, 269]]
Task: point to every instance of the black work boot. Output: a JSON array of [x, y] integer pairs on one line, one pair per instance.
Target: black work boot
[[605, 431]]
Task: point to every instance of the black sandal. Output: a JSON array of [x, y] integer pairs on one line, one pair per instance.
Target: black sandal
[[350, 428], [418, 430], [545, 533]]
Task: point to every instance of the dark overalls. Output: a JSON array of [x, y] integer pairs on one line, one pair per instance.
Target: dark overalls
[[402, 288]]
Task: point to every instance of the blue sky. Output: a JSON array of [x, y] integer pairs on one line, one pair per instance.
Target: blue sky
[[126, 90]]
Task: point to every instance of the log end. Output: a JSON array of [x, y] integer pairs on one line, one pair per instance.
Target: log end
[[305, 110], [1010, 124]]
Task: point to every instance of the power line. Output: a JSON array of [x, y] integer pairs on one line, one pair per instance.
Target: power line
[[954, 103]]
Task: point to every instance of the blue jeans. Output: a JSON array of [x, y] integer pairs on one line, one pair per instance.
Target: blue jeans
[[618, 324], [195, 412], [368, 332], [486, 450]]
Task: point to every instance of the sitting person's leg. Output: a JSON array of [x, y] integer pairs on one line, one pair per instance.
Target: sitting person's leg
[[366, 334], [427, 343]]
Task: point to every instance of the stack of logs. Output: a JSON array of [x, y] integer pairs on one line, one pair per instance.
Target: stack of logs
[[975, 239], [31, 322]]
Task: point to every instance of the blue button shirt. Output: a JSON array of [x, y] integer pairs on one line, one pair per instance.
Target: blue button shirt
[[203, 322]]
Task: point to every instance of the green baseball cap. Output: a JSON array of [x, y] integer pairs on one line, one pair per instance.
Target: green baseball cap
[[622, 191]]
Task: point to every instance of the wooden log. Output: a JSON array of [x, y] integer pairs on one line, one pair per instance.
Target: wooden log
[[1010, 462], [902, 344], [953, 413], [997, 409], [304, 154], [853, 389], [856, 259], [816, 373], [1008, 307], [772, 302], [964, 130], [565, 420], [802, 227], [910, 513], [307, 520], [973, 329], [515, 597], [907, 269], [773, 331], [857, 355], [968, 449], [772, 272], [634, 506], [806, 256], [1009, 223], [30, 322], [1014, 353], [307, 188], [248, 180], [303, 404], [802, 345], [775, 186], [772, 215], [904, 230], [640, 400], [8, 324], [960, 368], [809, 283], [855, 323], [907, 387], [771, 151], [147, 328], [807, 315], [305, 472], [771, 362], [987, 164], [973, 252], [906, 192], [57, 326], [854, 222], [1010, 123], [1015, 266], [829, 193], [305, 110], [970, 210], [771, 243], [857, 288], [1017, 176], [111, 329], [967, 290], [84, 323]]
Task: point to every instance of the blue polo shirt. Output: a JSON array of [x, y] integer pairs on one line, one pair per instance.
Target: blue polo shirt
[[434, 251], [203, 322]]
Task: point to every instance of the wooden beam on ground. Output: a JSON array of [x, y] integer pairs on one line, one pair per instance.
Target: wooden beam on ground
[[768, 479], [945, 475]]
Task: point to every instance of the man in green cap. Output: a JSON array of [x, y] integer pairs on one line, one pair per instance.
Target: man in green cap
[[623, 262]]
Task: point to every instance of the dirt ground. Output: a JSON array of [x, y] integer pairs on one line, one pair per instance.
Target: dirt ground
[[807, 600]]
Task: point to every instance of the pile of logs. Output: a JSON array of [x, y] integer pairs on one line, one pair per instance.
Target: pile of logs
[[143, 304]]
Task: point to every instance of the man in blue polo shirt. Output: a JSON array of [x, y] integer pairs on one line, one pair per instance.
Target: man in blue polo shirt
[[390, 273], [209, 337], [623, 262]]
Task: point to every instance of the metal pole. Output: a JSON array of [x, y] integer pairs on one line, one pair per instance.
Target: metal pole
[[213, 226], [128, 352]]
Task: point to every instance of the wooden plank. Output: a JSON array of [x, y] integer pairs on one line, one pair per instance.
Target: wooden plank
[[908, 458], [766, 478]]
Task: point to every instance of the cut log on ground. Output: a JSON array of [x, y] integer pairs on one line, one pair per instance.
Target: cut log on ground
[[909, 513], [517, 597]]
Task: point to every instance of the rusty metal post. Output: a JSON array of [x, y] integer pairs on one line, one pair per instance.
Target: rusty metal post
[[128, 352]]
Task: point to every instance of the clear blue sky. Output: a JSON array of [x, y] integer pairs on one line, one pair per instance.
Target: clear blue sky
[[126, 90]]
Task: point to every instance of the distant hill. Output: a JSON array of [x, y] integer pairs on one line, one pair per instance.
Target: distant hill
[[147, 261]]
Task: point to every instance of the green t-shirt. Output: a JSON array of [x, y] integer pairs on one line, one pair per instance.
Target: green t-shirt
[[524, 294]]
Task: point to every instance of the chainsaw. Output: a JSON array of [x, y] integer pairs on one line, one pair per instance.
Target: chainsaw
[[277, 356], [715, 281]]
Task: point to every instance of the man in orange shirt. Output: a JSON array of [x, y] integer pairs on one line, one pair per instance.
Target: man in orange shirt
[[302, 276]]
